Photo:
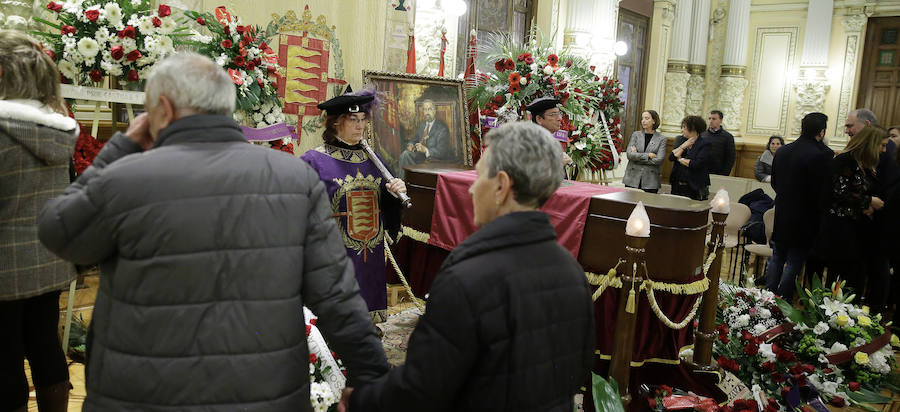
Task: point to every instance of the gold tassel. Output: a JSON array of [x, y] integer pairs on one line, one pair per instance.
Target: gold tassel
[[629, 306]]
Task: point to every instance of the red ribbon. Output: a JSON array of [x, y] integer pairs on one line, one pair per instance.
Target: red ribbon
[[778, 330], [869, 348]]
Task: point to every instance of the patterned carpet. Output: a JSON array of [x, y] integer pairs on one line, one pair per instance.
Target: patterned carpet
[[402, 319]]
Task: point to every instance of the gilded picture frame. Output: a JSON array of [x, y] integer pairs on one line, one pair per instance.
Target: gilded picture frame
[[418, 119]]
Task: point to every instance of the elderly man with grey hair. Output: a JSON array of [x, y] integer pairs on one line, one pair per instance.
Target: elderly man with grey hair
[[509, 322], [208, 248], [858, 119]]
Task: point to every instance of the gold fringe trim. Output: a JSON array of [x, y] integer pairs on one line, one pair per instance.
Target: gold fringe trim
[[414, 234]]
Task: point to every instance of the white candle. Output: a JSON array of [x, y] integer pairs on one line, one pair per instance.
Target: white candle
[[721, 203], [638, 223]]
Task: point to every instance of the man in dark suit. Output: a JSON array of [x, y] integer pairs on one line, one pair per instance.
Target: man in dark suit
[[721, 145], [431, 141], [798, 177]]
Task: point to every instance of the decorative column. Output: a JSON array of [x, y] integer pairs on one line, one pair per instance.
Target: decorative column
[[676, 70], [853, 24], [732, 82], [696, 86], [660, 36], [811, 84]]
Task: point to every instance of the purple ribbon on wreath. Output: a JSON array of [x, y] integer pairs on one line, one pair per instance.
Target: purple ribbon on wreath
[[795, 398], [269, 133]]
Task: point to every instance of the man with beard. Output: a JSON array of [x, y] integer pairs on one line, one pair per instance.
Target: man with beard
[[431, 141]]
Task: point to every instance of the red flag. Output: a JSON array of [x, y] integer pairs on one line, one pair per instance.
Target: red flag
[[411, 54], [443, 51], [471, 53]]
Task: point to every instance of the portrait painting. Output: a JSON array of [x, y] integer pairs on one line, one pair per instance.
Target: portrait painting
[[418, 119]]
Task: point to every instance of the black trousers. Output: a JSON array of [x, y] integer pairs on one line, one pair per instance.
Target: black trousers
[[646, 190], [30, 331], [683, 189]]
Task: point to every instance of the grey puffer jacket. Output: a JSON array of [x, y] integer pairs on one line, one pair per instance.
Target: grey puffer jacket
[[209, 247], [36, 146]]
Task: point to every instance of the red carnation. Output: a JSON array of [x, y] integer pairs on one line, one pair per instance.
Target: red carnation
[[808, 368], [312, 358], [665, 390], [53, 6], [724, 338], [308, 330], [133, 75], [128, 31], [768, 366], [251, 65], [552, 59], [263, 46], [838, 401], [50, 53], [164, 10], [508, 64], [827, 370], [241, 29], [68, 30], [746, 336], [806, 408], [796, 369], [238, 60], [652, 403], [751, 349], [201, 21], [226, 29], [854, 386], [260, 82], [96, 76], [157, 22], [271, 69], [117, 52], [133, 55], [227, 44], [777, 377], [92, 15], [786, 356]]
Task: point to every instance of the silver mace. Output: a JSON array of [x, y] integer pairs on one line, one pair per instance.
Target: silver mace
[[404, 198]]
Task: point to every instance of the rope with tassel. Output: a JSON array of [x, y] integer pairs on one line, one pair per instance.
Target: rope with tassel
[[387, 250]]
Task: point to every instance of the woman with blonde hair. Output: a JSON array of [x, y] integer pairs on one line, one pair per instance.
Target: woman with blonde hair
[[850, 205], [36, 144]]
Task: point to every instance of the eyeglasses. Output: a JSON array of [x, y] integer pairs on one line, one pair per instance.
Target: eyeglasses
[[556, 113]]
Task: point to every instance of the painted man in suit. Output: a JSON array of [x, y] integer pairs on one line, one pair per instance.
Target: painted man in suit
[[431, 141]]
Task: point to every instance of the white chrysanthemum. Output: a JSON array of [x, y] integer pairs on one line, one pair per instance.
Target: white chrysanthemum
[[253, 52], [222, 60], [146, 26], [88, 47], [165, 45], [129, 44], [257, 117], [168, 25], [199, 37], [260, 125], [764, 313], [271, 119], [111, 67], [820, 328], [144, 61], [102, 35], [144, 72], [134, 20], [136, 3], [743, 321], [321, 396], [266, 107], [67, 68], [113, 13], [580, 145], [759, 328], [72, 6]]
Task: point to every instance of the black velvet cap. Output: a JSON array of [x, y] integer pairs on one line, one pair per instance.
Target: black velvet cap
[[346, 103], [541, 104]]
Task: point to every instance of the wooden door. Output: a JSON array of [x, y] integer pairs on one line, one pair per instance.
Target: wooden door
[[512, 17], [879, 87], [631, 68]]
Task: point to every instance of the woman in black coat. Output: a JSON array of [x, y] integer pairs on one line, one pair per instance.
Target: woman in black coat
[[690, 173], [847, 231]]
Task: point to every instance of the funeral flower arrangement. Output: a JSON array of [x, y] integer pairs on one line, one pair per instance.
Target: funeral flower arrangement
[[830, 351], [252, 65], [326, 371], [122, 39], [591, 106]]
